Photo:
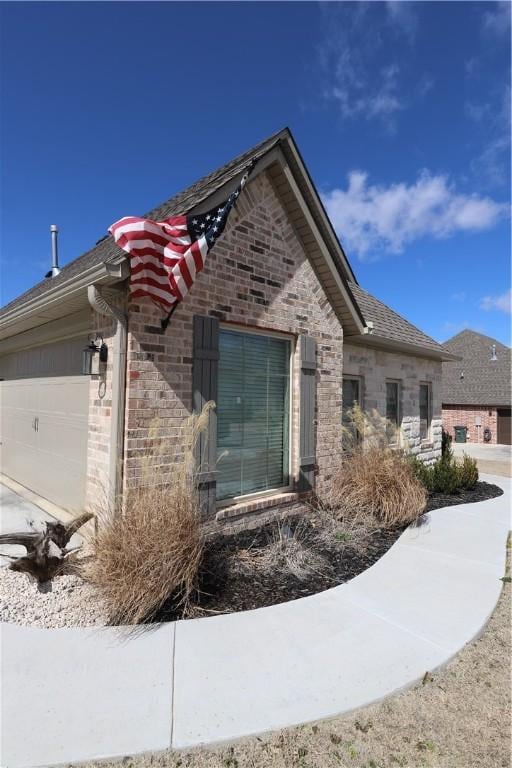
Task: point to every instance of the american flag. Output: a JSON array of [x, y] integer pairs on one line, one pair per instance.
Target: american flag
[[166, 256]]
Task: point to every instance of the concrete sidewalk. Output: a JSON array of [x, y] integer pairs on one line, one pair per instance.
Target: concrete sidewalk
[[109, 692]]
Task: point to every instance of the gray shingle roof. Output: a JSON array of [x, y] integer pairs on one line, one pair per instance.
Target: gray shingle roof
[[485, 382], [389, 324], [106, 249]]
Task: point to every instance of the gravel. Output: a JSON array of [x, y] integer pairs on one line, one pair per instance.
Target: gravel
[[67, 602]]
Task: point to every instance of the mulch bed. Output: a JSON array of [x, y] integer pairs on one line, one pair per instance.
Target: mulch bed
[[234, 579], [481, 492]]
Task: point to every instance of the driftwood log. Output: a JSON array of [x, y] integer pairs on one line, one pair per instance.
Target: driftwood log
[[47, 550]]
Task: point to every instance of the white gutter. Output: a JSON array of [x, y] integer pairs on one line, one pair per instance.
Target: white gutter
[[100, 305], [108, 272]]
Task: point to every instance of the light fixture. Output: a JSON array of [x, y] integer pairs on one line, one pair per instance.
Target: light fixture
[[92, 355]]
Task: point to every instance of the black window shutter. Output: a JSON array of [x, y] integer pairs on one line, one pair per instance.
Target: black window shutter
[[204, 383], [307, 459]]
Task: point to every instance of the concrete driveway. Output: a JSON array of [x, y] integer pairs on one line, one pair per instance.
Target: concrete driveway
[[492, 459]]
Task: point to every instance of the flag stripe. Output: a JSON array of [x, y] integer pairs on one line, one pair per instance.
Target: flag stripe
[[166, 256]]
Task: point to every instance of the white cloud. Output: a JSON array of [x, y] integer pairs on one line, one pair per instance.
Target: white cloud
[[372, 219], [497, 21], [501, 303], [403, 14], [356, 98], [458, 296], [493, 163], [358, 38]]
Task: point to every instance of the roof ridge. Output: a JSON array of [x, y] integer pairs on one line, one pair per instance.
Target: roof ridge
[[470, 331]]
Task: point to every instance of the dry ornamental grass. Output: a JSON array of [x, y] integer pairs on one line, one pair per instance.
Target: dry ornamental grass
[[377, 484], [150, 552]]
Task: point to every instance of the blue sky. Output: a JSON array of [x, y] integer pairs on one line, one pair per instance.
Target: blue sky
[[401, 111]]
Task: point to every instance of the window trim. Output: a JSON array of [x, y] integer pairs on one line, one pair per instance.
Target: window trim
[[292, 339], [428, 437]]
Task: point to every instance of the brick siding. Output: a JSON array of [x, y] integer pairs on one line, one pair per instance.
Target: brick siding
[[466, 416], [257, 276], [100, 410]]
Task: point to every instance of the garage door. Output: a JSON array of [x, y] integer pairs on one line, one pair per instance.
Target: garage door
[[44, 404], [504, 426]]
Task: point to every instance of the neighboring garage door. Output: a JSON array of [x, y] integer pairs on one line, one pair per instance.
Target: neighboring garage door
[[504, 426], [45, 405]]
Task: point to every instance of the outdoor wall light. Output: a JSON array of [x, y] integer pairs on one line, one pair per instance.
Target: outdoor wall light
[[92, 355]]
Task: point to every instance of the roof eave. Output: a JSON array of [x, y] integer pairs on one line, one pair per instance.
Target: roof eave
[[61, 300], [393, 345]]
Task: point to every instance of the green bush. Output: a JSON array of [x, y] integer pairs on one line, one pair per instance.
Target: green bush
[[446, 445], [468, 472], [422, 472], [445, 475]]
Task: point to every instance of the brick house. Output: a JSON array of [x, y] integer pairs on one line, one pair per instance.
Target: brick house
[[276, 330], [476, 389]]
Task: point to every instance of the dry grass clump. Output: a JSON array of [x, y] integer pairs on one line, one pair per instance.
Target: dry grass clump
[[291, 550], [151, 551], [377, 484]]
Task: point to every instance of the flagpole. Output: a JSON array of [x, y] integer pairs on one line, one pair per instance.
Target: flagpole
[[166, 320]]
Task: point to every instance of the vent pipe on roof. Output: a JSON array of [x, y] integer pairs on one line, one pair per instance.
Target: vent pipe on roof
[[54, 271], [493, 352]]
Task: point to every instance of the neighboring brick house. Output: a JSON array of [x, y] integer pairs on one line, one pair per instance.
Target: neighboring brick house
[[477, 388], [275, 330]]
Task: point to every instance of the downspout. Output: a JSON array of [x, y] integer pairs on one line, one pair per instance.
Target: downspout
[[116, 453]]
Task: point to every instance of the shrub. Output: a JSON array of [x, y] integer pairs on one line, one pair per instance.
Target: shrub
[[446, 445], [379, 485], [445, 476], [422, 472], [468, 472], [151, 551]]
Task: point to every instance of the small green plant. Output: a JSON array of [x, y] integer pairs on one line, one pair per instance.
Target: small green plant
[[426, 746], [422, 472], [352, 751], [446, 445], [468, 472], [445, 476]]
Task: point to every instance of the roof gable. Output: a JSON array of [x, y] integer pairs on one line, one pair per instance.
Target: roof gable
[[476, 379], [317, 234]]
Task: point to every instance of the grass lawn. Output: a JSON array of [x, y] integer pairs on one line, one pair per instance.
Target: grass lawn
[[459, 717]]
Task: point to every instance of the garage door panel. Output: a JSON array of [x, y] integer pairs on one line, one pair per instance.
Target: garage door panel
[[51, 459]]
